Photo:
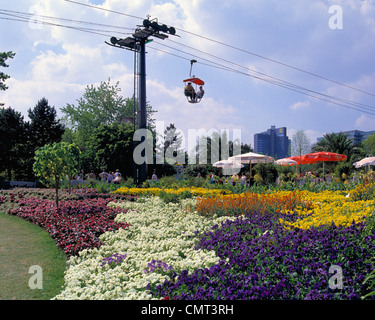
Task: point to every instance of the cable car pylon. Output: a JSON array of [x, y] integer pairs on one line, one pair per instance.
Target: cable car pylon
[[137, 43]]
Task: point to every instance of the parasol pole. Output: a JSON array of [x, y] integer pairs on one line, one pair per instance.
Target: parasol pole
[[250, 169]]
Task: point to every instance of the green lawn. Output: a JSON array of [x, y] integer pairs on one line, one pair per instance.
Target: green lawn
[[23, 245]]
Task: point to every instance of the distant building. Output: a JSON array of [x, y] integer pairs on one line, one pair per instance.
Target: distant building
[[274, 142], [356, 135]]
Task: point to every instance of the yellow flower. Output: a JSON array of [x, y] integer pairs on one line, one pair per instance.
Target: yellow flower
[[331, 207], [199, 192]]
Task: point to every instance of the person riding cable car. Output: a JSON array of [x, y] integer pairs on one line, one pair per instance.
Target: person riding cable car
[[190, 92], [200, 93]]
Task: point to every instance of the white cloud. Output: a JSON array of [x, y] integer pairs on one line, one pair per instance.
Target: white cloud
[[300, 105], [23, 95], [365, 123], [76, 64], [313, 135]]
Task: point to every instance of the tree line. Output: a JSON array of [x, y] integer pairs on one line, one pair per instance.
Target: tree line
[[94, 126], [102, 123]]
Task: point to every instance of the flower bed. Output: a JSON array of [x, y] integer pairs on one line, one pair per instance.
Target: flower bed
[[237, 204], [199, 192], [330, 207], [260, 259], [159, 242], [76, 225], [276, 245], [49, 194], [312, 209]]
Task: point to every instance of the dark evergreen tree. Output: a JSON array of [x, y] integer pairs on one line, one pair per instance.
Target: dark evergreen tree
[[12, 140], [44, 126]]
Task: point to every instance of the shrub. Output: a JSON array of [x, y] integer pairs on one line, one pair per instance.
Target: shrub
[[169, 197], [267, 171], [102, 187], [168, 182], [258, 179], [128, 183], [343, 169]]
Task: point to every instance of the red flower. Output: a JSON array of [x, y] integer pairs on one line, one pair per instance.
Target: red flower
[[76, 225]]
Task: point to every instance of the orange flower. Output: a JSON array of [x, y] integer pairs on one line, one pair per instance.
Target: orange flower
[[237, 204]]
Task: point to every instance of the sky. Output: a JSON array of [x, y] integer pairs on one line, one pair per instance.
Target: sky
[[264, 62]]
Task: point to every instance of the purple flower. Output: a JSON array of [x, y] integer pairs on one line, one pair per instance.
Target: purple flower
[[279, 264], [157, 264], [113, 259]]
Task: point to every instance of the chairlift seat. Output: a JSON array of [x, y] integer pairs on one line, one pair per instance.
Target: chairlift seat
[[197, 82]]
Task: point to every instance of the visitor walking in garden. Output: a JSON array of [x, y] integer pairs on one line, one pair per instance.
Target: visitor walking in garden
[[154, 176], [117, 178], [110, 177], [103, 175]]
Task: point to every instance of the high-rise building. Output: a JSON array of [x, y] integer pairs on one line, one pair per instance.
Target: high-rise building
[[274, 142], [357, 136]]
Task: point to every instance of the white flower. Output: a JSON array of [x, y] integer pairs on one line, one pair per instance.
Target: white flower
[[158, 232]]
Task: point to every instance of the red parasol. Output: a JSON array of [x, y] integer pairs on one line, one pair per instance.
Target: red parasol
[[301, 160], [323, 156]]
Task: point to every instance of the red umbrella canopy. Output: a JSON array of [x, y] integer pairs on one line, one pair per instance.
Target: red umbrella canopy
[[301, 160], [323, 156]]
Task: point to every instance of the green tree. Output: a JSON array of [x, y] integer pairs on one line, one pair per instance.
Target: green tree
[[368, 145], [4, 56], [55, 162], [112, 147], [97, 106], [44, 125], [171, 149], [337, 143], [245, 148], [12, 140], [43, 128], [102, 105]]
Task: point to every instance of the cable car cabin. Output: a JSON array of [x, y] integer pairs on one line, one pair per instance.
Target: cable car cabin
[[192, 92]]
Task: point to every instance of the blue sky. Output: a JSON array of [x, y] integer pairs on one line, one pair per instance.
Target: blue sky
[[293, 41]]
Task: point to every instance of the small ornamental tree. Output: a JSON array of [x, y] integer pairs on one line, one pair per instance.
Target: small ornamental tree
[[56, 162]]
